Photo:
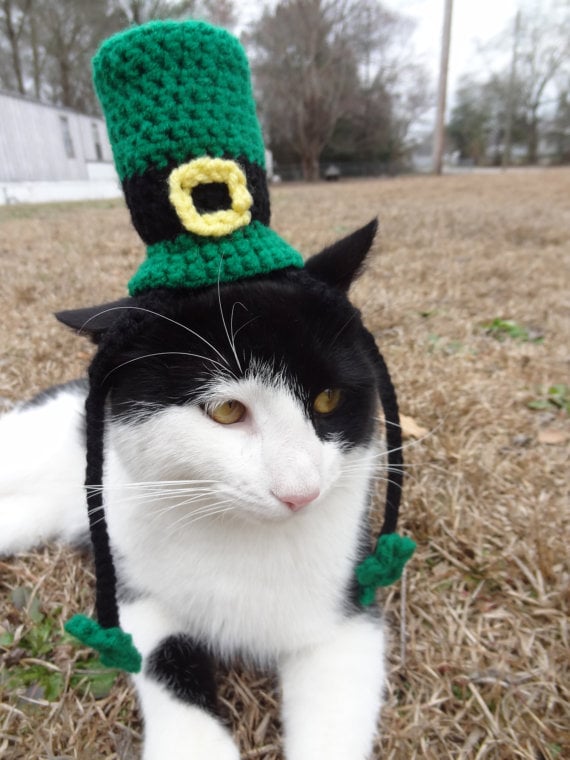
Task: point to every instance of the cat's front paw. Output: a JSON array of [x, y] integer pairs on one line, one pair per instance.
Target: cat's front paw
[[198, 737]]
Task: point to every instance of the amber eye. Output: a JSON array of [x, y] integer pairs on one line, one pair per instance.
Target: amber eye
[[327, 401], [228, 412]]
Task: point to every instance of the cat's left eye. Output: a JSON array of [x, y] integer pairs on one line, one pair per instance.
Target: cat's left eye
[[327, 401], [228, 412]]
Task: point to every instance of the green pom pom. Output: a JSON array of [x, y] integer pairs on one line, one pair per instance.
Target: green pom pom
[[115, 647], [385, 566]]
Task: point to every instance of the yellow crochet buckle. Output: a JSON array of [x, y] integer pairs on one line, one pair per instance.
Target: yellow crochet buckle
[[200, 171]]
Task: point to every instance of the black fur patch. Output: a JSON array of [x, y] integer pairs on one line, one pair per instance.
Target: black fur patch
[[185, 668]]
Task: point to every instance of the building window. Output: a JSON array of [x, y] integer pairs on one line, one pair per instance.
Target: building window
[[67, 140], [96, 141]]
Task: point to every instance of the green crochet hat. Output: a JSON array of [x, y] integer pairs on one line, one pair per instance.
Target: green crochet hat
[[188, 149]]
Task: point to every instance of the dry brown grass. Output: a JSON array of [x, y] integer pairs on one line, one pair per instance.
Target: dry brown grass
[[484, 669]]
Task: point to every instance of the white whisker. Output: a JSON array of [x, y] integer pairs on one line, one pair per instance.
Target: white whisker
[[165, 353], [232, 333], [159, 497], [152, 483], [158, 513], [230, 339], [192, 517], [249, 321], [364, 469], [162, 316]]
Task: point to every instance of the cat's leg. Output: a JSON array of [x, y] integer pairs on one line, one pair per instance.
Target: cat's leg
[[176, 690], [42, 462], [332, 693]]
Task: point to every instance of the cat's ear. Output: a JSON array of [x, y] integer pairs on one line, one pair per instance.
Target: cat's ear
[[341, 263], [94, 321]]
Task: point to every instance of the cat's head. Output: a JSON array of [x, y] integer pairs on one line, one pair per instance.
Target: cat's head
[[265, 388]]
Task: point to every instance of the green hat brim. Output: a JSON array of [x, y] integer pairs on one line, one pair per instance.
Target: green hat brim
[[192, 261]]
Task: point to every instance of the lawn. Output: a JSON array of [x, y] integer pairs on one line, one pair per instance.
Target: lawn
[[467, 295]]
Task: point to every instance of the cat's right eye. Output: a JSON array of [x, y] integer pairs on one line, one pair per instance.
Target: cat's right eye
[[227, 413]]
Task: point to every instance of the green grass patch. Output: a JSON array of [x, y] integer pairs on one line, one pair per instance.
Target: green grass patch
[[93, 677], [502, 329], [556, 397], [42, 637]]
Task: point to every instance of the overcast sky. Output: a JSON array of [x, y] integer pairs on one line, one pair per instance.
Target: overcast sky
[[474, 22]]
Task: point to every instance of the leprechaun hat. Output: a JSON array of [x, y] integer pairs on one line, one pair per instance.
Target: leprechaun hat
[[188, 149]]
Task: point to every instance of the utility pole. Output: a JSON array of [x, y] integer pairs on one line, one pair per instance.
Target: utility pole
[[511, 95], [438, 140]]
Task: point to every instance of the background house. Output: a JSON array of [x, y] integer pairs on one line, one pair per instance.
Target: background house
[[50, 153]]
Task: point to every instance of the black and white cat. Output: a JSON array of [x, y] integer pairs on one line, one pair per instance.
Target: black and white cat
[[241, 451]]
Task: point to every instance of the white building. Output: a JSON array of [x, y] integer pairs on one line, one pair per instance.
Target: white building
[[49, 153]]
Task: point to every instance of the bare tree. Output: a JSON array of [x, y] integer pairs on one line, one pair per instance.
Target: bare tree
[[37, 54], [544, 48], [13, 19], [532, 82], [71, 31], [140, 11], [304, 67], [404, 79], [511, 94], [559, 128], [48, 44], [221, 13], [312, 61]]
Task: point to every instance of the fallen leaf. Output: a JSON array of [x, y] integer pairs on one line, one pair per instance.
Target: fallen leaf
[[412, 429], [552, 436]]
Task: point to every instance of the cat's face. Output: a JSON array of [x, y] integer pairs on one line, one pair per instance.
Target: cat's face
[[264, 391]]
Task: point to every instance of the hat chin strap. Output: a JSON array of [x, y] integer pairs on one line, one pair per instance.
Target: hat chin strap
[[386, 564], [395, 457], [106, 598], [115, 647]]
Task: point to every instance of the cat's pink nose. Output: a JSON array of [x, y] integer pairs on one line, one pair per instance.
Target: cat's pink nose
[[296, 501]]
